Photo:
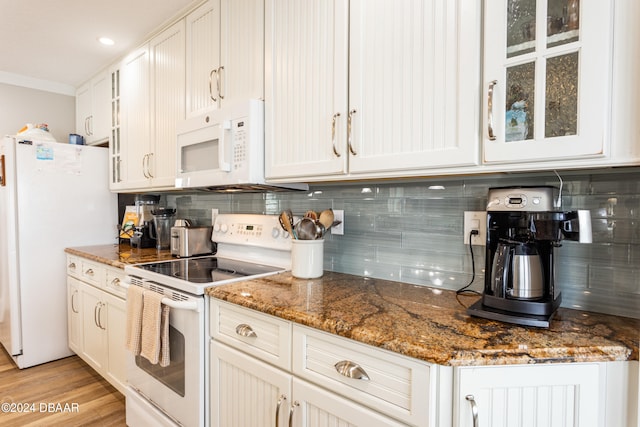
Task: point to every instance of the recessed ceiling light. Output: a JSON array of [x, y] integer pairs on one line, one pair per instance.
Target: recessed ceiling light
[[106, 41]]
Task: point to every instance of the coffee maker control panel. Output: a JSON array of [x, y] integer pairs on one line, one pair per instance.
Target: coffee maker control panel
[[530, 199]]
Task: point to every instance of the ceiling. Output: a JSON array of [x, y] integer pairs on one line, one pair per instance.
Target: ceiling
[[56, 40]]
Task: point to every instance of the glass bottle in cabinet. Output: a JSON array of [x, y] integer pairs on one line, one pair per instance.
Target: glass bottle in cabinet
[[547, 67]]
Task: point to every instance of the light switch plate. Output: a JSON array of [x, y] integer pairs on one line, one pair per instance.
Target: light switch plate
[[475, 220], [338, 215]]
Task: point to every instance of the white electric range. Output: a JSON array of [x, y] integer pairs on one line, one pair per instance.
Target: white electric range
[[248, 246]]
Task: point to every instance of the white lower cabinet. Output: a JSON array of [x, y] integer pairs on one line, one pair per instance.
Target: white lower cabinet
[[247, 391], [96, 315], [268, 371], [563, 394]]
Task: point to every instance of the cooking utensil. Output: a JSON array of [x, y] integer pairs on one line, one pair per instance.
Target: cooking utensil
[[286, 221], [326, 218], [311, 214], [306, 229]]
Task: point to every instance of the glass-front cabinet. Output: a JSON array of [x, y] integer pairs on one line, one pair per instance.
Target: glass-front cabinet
[[547, 77]]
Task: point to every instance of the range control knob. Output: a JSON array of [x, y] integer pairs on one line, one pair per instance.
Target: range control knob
[[275, 232], [224, 228]]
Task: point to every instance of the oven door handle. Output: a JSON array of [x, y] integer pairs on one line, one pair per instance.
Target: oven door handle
[[180, 305]]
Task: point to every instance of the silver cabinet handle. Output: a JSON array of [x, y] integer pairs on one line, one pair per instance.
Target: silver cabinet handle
[[349, 133], [280, 400], [72, 265], [90, 126], [116, 282], [214, 71], [89, 272], [144, 165], [95, 315], [474, 408], [149, 165], [73, 302], [492, 136], [293, 408], [245, 330], [86, 125], [333, 134], [219, 82], [351, 370]]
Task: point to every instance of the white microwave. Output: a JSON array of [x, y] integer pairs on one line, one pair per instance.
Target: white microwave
[[223, 149]]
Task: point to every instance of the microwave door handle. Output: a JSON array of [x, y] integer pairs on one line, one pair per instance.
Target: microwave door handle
[[223, 150]]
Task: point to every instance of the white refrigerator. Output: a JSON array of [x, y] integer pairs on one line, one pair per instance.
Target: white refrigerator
[[52, 196]]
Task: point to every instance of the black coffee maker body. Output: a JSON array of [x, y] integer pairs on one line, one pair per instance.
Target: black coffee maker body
[[524, 229]]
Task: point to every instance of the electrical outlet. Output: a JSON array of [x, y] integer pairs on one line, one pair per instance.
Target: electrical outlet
[[475, 220], [338, 215]]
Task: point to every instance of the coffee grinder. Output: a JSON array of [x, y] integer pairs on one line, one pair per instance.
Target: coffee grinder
[[524, 227]]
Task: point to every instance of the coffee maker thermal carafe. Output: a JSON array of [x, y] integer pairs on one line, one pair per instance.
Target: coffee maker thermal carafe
[[525, 226]]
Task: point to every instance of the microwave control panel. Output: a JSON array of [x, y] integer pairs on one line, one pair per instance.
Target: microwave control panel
[[239, 141]]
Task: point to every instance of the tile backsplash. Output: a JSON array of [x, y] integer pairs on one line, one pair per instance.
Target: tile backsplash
[[412, 231]]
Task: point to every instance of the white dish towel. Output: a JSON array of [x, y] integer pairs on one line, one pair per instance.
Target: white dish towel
[[151, 342]]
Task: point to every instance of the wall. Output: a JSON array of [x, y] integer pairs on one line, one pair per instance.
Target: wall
[[412, 231], [21, 105]]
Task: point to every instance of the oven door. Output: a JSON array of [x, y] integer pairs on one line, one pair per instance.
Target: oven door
[[175, 391]]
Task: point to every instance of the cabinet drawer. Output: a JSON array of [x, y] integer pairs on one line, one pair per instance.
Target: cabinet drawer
[[74, 266], [93, 273], [395, 385], [260, 335], [115, 279]]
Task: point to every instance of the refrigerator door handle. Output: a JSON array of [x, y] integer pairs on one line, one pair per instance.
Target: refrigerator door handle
[[3, 179]]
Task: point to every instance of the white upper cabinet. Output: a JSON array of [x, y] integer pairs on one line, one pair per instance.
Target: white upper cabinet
[[92, 109], [151, 102], [167, 55], [371, 89], [203, 57], [547, 79], [225, 54]]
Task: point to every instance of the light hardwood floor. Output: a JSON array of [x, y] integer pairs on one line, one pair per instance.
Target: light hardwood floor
[[65, 392]]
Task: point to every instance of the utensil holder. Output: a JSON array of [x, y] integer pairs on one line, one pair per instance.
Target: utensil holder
[[307, 258]]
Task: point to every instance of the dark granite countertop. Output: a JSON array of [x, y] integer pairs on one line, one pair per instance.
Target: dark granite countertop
[[119, 255], [432, 324]]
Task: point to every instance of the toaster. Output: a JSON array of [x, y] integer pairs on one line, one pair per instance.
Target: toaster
[[191, 241]]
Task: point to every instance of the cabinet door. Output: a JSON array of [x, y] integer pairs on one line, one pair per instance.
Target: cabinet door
[[74, 315], [203, 57], [306, 46], [414, 85], [246, 392], [547, 74], [242, 50], [100, 110], [514, 396], [117, 159], [317, 407], [83, 109], [167, 56], [116, 324], [134, 90], [94, 337]]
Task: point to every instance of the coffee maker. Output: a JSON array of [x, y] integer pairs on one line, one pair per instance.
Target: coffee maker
[[525, 226]]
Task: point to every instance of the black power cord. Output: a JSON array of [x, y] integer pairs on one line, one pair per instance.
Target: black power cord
[[465, 289]]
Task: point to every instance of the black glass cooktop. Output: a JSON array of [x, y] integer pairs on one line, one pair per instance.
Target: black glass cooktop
[[208, 269]]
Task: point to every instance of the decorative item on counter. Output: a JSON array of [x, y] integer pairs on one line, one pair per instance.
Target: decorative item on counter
[[129, 222]]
